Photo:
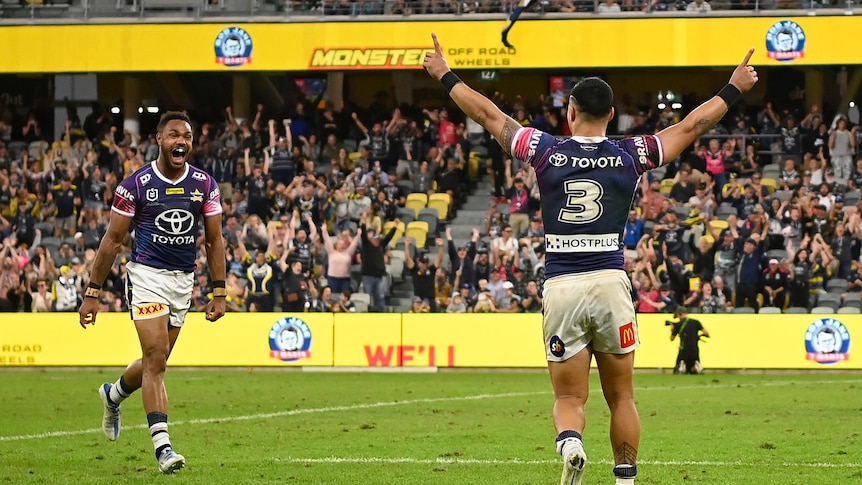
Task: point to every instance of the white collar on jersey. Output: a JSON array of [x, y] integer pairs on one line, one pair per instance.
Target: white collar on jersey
[[165, 179], [589, 139]]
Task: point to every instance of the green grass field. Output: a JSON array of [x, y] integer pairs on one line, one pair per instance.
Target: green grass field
[[240, 427]]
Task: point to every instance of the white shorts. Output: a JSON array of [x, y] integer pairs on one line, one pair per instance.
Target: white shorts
[[594, 307], [154, 292]]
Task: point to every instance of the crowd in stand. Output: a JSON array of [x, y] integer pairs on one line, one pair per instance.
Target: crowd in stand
[[762, 211]]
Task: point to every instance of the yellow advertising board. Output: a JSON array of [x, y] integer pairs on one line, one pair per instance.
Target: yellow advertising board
[[367, 340], [420, 340], [238, 339], [476, 340], [469, 44]]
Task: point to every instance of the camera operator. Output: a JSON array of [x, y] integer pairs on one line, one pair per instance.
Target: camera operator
[[690, 332]]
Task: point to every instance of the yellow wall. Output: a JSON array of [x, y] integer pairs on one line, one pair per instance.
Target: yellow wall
[[391, 340]]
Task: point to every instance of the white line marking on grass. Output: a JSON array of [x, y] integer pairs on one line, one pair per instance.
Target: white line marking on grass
[[292, 412], [382, 404], [516, 461]]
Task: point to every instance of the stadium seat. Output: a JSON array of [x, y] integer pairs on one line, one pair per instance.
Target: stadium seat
[[659, 172], [441, 202], [852, 297], [430, 215], [396, 269], [16, 147], [406, 186], [782, 195], [852, 197], [743, 310], [830, 300], [778, 254], [836, 284], [350, 145], [771, 171], [418, 230], [853, 303], [770, 183], [399, 246], [49, 240], [725, 211], [361, 297], [406, 215], [848, 311], [665, 187], [822, 310], [399, 232], [416, 202], [361, 306], [769, 310], [473, 168], [796, 310], [354, 156]]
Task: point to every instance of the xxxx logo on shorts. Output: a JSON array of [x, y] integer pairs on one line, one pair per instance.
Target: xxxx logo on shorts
[[150, 310], [627, 335]]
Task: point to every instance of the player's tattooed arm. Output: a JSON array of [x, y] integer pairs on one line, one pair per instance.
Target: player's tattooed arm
[[510, 127], [625, 453]]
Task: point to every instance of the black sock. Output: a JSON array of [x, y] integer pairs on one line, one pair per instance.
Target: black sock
[[626, 471], [569, 433]]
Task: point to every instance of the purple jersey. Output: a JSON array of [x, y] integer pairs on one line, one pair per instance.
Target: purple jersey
[[587, 185], [166, 215]]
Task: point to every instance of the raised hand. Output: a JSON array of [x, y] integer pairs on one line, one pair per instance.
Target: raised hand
[[435, 64], [744, 77]]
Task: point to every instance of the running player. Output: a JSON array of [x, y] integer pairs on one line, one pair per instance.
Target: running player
[[587, 183], [164, 203]]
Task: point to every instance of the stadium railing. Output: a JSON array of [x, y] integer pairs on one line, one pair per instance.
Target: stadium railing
[[75, 11]]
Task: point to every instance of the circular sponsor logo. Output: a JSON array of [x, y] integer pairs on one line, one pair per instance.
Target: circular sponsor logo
[[175, 222], [827, 341], [233, 47], [785, 41], [558, 159], [556, 346], [290, 340]]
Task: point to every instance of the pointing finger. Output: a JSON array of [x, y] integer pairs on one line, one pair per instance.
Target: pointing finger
[[747, 57], [437, 47]]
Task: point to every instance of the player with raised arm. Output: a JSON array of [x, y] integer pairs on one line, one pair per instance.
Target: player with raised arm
[[164, 203], [587, 183]]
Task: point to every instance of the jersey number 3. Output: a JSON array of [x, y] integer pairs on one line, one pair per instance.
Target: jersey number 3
[[582, 202]]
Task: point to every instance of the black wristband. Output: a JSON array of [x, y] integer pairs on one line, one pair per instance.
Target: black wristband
[[93, 290], [449, 80], [218, 284], [730, 94]]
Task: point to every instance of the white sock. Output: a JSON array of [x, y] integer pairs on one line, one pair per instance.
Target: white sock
[[118, 394], [569, 445]]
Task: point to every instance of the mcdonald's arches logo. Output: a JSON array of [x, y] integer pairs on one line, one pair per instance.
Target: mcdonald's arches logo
[[627, 335]]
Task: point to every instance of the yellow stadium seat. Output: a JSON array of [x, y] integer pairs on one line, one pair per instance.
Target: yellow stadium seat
[[418, 230], [416, 201], [666, 185], [440, 202], [770, 184], [355, 156], [399, 231], [473, 168], [693, 284]]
